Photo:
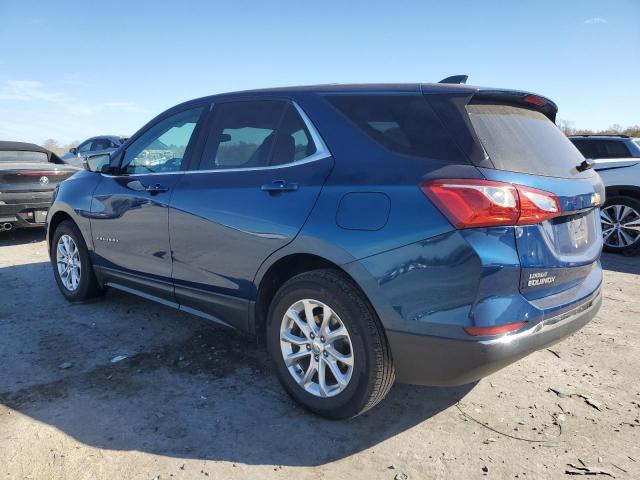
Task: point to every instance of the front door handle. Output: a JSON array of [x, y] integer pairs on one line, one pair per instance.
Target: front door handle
[[157, 188], [279, 186]]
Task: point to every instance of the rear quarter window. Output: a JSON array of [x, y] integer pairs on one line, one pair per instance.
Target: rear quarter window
[[403, 124], [523, 140]]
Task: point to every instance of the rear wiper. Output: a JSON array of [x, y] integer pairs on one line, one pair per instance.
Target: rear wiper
[[584, 166]]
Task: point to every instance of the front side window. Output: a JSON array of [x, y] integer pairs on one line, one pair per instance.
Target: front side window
[[586, 147], [162, 147], [85, 147]]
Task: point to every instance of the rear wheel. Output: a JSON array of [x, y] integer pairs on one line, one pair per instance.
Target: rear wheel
[[328, 347], [71, 265], [620, 218]]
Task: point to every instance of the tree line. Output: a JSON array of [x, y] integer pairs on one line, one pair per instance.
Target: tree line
[[567, 128]]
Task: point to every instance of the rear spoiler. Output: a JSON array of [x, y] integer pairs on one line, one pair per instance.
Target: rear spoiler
[[517, 98]]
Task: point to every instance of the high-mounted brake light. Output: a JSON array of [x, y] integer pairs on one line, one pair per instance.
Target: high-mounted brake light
[[534, 100], [484, 203], [495, 330]]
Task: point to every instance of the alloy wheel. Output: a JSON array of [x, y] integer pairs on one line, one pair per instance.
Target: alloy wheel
[[316, 348], [68, 262], [620, 226]]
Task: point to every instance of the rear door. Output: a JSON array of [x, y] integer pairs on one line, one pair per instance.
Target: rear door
[[525, 147], [259, 176]]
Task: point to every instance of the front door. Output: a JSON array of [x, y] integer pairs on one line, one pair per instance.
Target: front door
[[259, 176], [129, 212]]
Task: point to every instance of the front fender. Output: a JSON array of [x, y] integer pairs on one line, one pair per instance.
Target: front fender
[[74, 199]]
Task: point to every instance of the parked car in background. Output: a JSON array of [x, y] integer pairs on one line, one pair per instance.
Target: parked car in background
[[92, 146], [28, 176], [430, 233], [617, 159]]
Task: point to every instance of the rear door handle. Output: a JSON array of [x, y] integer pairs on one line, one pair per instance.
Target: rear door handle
[[279, 186], [157, 188]]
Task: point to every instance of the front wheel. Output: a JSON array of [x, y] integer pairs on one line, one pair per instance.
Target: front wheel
[[327, 345], [620, 218], [71, 265]]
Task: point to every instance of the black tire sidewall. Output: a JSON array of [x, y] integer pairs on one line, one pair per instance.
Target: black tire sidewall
[[629, 202], [86, 272], [350, 401]]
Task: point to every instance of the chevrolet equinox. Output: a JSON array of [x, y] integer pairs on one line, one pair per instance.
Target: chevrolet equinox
[[425, 233]]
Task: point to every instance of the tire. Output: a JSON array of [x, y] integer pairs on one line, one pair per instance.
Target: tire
[[371, 375], [87, 286], [621, 211]]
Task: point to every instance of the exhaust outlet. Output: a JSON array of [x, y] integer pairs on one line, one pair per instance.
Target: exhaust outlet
[[7, 226]]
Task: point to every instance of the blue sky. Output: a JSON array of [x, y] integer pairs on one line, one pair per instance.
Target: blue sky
[[69, 70]]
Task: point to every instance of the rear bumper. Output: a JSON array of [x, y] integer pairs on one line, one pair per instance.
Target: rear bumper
[[429, 360], [15, 207]]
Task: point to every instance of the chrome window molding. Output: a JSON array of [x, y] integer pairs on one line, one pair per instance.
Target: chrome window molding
[[322, 152]]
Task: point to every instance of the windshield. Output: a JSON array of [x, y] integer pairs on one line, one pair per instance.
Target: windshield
[[23, 156], [522, 140]]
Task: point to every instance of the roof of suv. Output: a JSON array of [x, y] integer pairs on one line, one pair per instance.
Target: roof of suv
[[546, 106], [603, 136]]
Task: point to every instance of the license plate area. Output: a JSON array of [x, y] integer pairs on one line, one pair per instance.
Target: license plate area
[[578, 232]]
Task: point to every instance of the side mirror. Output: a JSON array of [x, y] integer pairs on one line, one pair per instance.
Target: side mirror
[[97, 163], [73, 150]]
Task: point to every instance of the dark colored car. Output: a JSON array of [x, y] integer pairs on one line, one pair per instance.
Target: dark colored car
[[91, 147], [617, 159], [28, 176], [428, 233]]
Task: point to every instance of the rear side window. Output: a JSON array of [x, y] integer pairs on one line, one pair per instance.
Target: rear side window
[[242, 134], [522, 140], [612, 149], [23, 156], [294, 140], [403, 124], [256, 134]]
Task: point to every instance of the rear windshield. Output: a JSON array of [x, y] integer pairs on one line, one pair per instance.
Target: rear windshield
[[22, 156], [523, 140], [403, 124]]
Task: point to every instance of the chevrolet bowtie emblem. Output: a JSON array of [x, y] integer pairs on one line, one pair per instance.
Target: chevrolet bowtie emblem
[[595, 199]]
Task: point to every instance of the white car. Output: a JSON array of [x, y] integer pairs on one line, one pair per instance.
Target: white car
[[617, 159]]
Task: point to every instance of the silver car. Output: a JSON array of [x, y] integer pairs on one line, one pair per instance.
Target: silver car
[[90, 147], [617, 159]]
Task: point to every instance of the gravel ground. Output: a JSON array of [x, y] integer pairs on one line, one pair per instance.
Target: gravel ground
[[192, 400]]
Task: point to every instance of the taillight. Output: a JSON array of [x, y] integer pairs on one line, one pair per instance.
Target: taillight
[[484, 203]]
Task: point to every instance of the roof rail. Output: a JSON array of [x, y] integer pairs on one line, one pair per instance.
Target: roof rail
[[455, 79], [600, 135]]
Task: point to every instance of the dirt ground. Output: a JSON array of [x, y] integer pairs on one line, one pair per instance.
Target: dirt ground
[[192, 400]]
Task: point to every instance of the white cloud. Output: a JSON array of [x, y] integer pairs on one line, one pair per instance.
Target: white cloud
[[29, 90], [595, 20], [39, 111], [32, 91]]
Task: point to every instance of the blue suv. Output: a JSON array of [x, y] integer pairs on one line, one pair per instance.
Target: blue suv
[[425, 233]]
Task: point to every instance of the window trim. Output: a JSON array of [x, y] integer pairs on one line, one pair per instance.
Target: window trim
[[322, 151]]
